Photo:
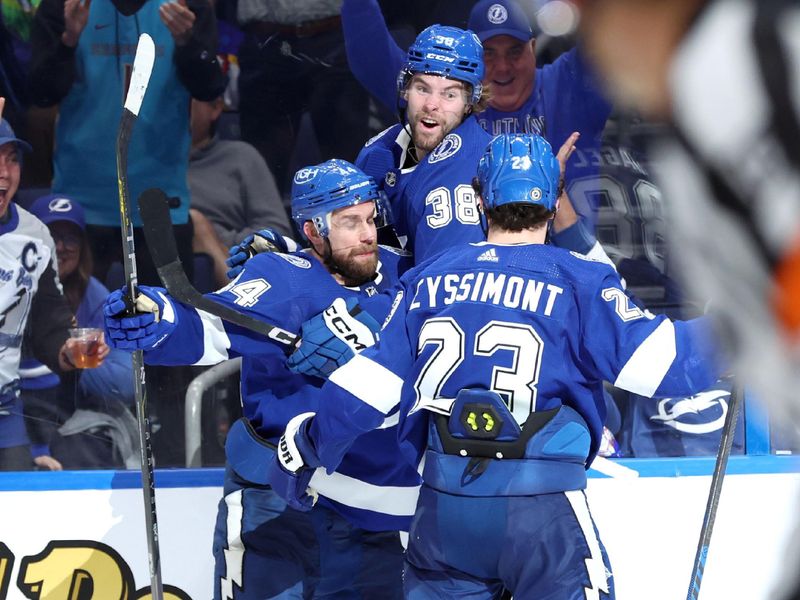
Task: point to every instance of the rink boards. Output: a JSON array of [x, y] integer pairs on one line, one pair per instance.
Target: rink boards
[[59, 531]]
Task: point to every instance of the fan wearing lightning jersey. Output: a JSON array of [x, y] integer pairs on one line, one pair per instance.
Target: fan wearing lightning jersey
[[30, 295], [496, 353], [349, 543], [631, 225]]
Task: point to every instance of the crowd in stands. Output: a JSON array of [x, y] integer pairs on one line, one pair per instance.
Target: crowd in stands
[[243, 93]]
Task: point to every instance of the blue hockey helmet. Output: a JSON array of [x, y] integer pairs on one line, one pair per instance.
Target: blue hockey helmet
[[319, 190], [448, 52], [519, 168]]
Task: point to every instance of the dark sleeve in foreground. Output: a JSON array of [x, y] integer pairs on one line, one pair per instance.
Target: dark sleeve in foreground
[[49, 321]]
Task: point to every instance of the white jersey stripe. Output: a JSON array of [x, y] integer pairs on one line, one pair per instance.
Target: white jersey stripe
[[390, 500], [370, 382], [234, 553], [215, 340], [645, 369]]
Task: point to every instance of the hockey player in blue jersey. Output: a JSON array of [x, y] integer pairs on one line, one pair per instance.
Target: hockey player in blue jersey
[[426, 163], [348, 546], [553, 100], [495, 354]]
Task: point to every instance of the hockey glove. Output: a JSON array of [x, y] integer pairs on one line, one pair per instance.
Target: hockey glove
[[153, 320], [265, 240], [332, 338], [295, 461]]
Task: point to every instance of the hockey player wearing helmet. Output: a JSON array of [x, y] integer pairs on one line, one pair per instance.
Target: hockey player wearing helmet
[[494, 356], [348, 546], [426, 161], [338, 209], [440, 84]]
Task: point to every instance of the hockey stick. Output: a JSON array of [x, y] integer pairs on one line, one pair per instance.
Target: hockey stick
[[142, 68], [725, 443], [154, 210]]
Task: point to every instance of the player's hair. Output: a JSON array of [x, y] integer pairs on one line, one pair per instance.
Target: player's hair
[[483, 102], [518, 217], [478, 107]]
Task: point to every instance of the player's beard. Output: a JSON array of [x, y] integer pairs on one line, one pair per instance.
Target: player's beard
[[353, 272], [427, 141]]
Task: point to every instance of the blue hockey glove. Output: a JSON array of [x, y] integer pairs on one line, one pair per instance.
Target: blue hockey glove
[[332, 338], [265, 240], [151, 324], [295, 461]]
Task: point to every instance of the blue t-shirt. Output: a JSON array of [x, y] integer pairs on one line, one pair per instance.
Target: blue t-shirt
[[84, 163]]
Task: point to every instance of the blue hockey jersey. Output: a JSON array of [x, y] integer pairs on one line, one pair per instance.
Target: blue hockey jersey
[[371, 488], [541, 326], [438, 206], [630, 218]]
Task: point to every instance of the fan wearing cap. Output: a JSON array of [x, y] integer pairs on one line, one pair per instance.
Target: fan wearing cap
[[30, 294], [100, 392], [66, 221]]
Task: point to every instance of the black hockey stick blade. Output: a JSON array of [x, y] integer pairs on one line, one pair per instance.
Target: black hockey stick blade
[[157, 225]]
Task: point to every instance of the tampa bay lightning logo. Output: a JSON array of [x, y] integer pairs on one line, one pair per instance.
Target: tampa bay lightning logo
[[497, 14], [305, 175], [60, 205], [446, 148], [297, 261], [702, 413]]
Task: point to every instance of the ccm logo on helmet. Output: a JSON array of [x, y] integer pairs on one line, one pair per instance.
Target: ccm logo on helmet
[[440, 57]]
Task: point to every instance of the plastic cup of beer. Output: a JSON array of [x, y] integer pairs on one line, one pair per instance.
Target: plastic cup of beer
[[85, 353]]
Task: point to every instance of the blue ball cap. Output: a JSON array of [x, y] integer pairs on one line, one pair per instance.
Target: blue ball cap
[[56, 207], [500, 17], [7, 135]]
